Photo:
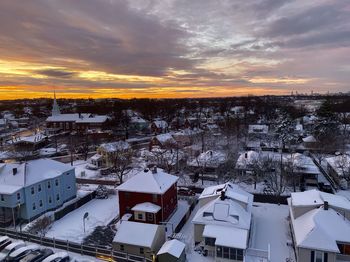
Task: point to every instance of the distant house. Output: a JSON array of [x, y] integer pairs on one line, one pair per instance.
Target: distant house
[[30, 189], [139, 239], [186, 137], [209, 160], [107, 152], [258, 129], [339, 168], [138, 123], [320, 226], [79, 122], [31, 143], [172, 251], [163, 141], [159, 126], [150, 196], [222, 224], [309, 142]]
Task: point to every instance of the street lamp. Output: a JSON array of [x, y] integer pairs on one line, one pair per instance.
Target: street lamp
[[85, 217]]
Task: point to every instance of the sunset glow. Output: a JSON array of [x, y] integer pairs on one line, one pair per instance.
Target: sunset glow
[[172, 49]]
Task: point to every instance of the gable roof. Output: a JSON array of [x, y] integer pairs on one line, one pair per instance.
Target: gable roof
[[321, 229], [137, 234], [149, 182], [173, 247]]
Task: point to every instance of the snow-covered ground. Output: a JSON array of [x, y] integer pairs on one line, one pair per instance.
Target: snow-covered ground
[[174, 221], [344, 193], [82, 172], [70, 227], [270, 226]]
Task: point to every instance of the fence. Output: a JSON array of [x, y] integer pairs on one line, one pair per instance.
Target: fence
[[69, 208], [96, 182], [98, 252]]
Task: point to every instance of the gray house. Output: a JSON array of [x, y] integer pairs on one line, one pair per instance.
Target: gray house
[[172, 251], [30, 189], [320, 227]]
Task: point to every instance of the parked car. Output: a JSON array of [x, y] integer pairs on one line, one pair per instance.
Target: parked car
[[4, 241], [183, 191], [9, 249], [20, 253], [37, 255], [58, 257]]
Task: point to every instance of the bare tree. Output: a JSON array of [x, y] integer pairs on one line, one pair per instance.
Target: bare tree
[[41, 226], [122, 163]]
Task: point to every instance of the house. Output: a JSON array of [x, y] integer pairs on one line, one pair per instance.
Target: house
[[339, 168], [222, 224], [139, 239], [159, 126], [209, 161], [79, 122], [107, 152], [172, 251], [258, 130], [186, 137], [320, 226], [150, 196], [138, 123], [309, 142], [32, 188], [163, 141], [30, 143]]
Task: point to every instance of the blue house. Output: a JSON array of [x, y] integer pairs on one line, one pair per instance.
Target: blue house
[[30, 189]]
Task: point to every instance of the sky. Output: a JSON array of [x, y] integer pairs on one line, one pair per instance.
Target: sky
[[173, 48]]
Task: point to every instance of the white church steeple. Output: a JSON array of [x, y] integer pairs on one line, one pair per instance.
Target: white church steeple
[[55, 108]]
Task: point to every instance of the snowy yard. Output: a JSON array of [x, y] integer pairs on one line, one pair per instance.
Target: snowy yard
[[70, 227], [270, 226]]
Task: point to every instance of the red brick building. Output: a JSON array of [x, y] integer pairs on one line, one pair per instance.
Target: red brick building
[[150, 196]]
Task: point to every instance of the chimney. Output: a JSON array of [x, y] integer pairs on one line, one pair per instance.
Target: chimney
[[14, 171], [325, 205], [154, 170], [246, 155], [222, 197], [146, 170]]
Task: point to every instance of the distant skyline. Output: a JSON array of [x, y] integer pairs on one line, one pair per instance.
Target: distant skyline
[[173, 48]]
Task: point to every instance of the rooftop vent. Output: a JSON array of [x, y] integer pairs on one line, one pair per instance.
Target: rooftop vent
[[14, 171], [325, 205]]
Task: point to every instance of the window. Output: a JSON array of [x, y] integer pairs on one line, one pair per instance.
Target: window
[[155, 198], [39, 188], [142, 251], [121, 247], [48, 184], [149, 216], [58, 197], [40, 203], [210, 241], [56, 182], [50, 200], [34, 207], [140, 216], [32, 190], [318, 256], [230, 253], [2, 198], [18, 196], [226, 252]]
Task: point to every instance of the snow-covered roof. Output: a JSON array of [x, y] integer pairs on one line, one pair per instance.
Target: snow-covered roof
[[309, 139], [160, 123], [149, 182], [96, 157], [227, 236], [78, 118], [136, 234], [137, 119], [261, 129], [173, 247], [29, 139], [209, 158], [317, 198], [29, 173], [321, 230], [115, 146], [146, 207], [212, 191], [234, 211], [165, 138]]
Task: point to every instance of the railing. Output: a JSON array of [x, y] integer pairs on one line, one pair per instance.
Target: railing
[[341, 257], [94, 251]]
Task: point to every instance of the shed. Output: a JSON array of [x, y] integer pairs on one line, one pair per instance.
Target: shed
[[172, 251]]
